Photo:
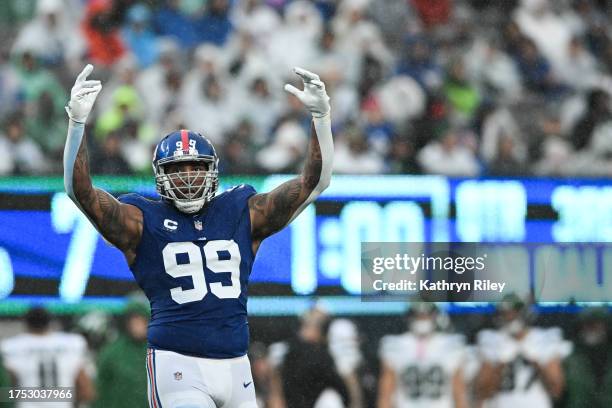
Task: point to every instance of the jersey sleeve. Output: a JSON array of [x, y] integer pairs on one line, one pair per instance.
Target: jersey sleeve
[[236, 199], [133, 199], [241, 193], [389, 349], [488, 342], [544, 345], [79, 347], [454, 348]]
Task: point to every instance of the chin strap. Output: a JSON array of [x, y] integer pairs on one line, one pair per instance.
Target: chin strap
[[191, 207], [322, 127]]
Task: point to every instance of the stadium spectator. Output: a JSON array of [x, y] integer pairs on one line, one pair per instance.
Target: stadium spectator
[[448, 157], [340, 71], [215, 25], [46, 126], [550, 32], [400, 88], [14, 13], [238, 151], [497, 125], [171, 21], [395, 18], [434, 12], [588, 369], [419, 62], [463, 96], [260, 105], [353, 154], [505, 164], [123, 74], [402, 159], [35, 79], [556, 154], [126, 106], [378, 130], [207, 111], [492, 70], [580, 70], [139, 37], [536, 70], [597, 112], [11, 94], [44, 358], [301, 25], [121, 380], [22, 154], [255, 18], [426, 63], [109, 160], [162, 84], [284, 154], [103, 19], [357, 36], [52, 35]]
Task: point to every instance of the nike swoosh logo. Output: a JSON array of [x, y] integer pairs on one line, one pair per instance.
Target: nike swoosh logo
[[246, 384]]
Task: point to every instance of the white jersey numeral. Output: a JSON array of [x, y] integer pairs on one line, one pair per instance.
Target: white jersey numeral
[[216, 265], [194, 267]]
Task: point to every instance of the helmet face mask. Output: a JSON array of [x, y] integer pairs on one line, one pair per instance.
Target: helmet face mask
[[187, 177]]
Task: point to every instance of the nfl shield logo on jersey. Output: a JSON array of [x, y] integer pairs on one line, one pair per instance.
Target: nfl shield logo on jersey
[[198, 225], [178, 376]]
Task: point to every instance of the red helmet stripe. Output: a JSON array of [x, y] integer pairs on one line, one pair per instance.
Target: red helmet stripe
[[185, 140]]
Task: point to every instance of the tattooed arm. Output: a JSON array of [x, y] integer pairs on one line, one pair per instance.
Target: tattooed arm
[[120, 224], [270, 212]]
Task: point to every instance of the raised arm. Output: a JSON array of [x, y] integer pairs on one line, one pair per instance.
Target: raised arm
[[270, 212], [120, 224]]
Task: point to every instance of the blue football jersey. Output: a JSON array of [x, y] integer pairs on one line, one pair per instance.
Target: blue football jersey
[[194, 268]]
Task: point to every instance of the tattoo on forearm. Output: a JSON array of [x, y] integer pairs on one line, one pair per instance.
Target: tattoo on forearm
[[101, 207], [314, 163], [275, 209]]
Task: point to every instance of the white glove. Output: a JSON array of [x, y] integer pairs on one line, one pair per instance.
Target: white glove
[[313, 96], [508, 350], [544, 346], [497, 347], [82, 96]]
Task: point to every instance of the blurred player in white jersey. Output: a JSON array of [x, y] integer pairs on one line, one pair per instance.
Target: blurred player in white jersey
[[521, 365], [422, 367], [47, 359]]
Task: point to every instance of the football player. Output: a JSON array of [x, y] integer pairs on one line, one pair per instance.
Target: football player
[[44, 358], [192, 250], [521, 365], [422, 367]]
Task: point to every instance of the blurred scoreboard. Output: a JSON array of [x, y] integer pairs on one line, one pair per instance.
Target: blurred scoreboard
[[49, 251]]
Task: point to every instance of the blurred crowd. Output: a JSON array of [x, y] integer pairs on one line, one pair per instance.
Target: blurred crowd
[[453, 87], [505, 357]]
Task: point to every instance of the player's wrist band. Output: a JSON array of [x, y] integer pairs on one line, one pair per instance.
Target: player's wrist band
[[320, 115], [73, 119]]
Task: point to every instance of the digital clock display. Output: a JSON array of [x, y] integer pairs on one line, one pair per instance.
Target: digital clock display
[[49, 249]]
